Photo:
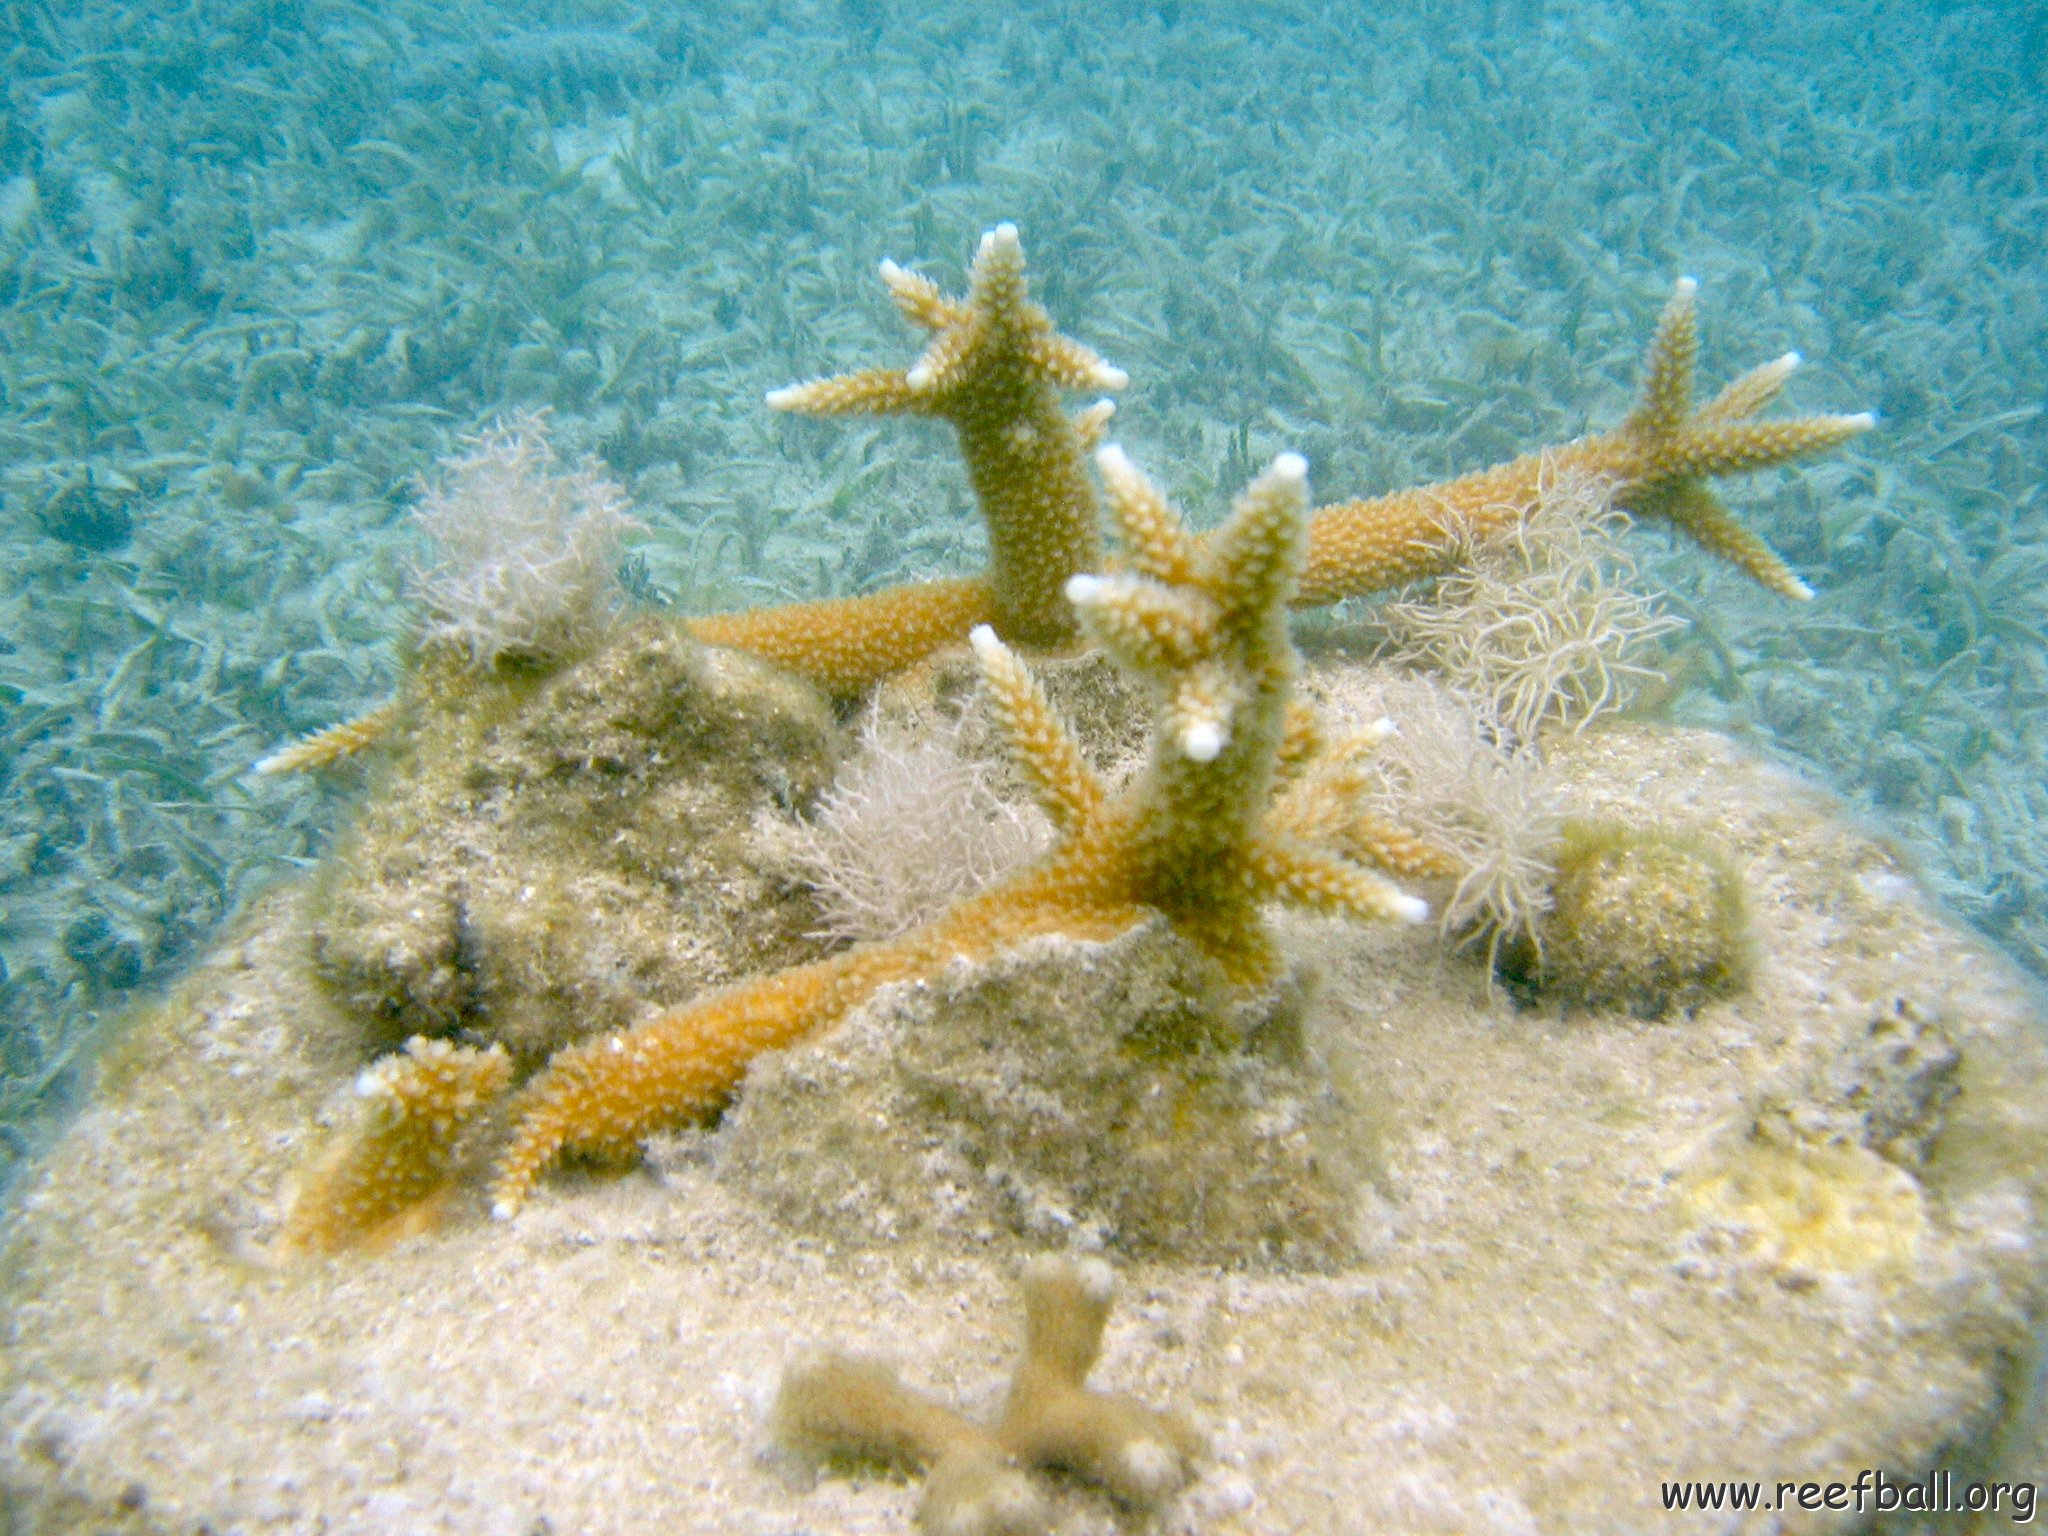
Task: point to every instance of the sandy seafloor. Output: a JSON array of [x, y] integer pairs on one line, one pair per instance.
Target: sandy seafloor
[[1567, 1296]]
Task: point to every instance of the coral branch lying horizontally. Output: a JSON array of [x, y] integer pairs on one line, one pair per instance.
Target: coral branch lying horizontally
[[1658, 461], [835, 1406], [995, 368], [1197, 838], [335, 744]]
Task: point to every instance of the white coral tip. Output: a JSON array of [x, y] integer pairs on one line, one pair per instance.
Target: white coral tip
[[1382, 729], [983, 638], [1799, 591], [1114, 463], [782, 399], [1290, 466], [1202, 741], [1003, 236], [891, 273], [1862, 421], [1109, 376], [920, 375], [1685, 289], [1789, 361], [503, 1210], [1097, 1279], [1150, 1468], [1409, 909], [1084, 589]]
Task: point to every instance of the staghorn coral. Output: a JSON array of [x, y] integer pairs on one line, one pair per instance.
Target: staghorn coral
[[1193, 839], [1658, 461], [1242, 800], [995, 367], [335, 744], [383, 1176], [834, 1406], [847, 644]]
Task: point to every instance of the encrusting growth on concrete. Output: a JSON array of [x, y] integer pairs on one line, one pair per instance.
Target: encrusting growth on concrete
[[1640, 920], [1197, 838], [834, 1406], [382, 1177], [1658, 460]]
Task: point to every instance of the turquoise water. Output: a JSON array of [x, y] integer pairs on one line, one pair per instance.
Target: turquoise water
[[262, 264]]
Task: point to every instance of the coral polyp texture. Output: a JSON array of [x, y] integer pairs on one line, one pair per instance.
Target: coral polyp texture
[[1657, 463], [837, 1407], [1205, 835], [995, 369], [381, 1177], [335, 744]]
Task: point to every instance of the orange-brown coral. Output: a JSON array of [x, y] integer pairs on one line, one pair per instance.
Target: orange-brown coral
[[334, 744], [1197, 839], [847, 644], [835, 1405], [1658, 460], [382, 1177], [995, 369]]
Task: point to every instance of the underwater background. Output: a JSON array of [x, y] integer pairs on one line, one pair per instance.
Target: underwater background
[[261, 264]]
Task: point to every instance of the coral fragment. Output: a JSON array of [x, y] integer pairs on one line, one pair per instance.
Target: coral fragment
[[380, 1178], [833, 1405]]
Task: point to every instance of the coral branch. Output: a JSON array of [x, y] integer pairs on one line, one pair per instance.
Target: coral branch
[[336, 742], [1658, 462], [994, 369], [379, 1178], [1191, 839], [836, 1406], [847, 645]]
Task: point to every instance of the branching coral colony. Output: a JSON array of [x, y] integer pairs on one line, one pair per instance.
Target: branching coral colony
[[834, 1406], [1238, 807], [1242, 802]]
